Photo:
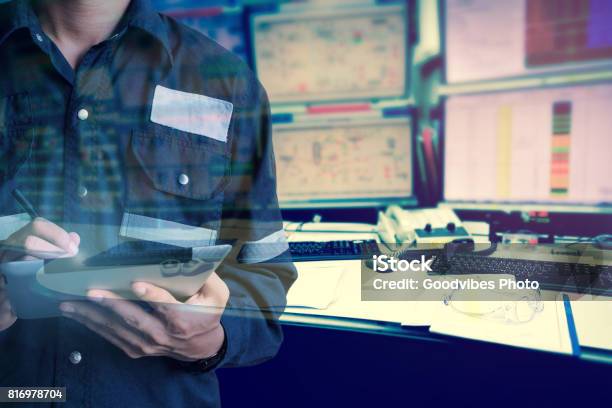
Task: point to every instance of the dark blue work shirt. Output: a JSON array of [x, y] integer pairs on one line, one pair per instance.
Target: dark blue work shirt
[[158, 135]]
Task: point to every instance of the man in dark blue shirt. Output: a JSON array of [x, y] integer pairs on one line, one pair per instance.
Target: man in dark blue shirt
[[120, 124]]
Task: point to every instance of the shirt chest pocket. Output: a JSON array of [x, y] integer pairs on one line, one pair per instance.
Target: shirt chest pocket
[[16, 134], [175, 187]]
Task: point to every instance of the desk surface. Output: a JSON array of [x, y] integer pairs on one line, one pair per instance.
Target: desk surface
[[407, 319]]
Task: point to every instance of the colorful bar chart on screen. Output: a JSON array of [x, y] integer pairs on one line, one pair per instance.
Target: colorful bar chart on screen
[[530, 146], [560, 159]]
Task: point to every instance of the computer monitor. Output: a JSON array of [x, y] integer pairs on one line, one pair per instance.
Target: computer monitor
[[540, 146], [322, 54], [360, 163], [488, 40]]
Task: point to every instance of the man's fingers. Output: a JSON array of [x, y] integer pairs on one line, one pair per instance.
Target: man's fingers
[[40, 239], [7, 321], [102, 331], [109, 324], [7, 316], [132, 314], [54, 234], [37, 247], [76, 238], [214, 293], [181, 321], [5, 307], [158, 298]]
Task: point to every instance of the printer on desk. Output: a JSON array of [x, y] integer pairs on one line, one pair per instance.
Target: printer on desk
[[395, 226], [424, 226]]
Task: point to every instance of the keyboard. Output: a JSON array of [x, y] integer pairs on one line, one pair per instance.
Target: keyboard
[[575, 277], [332, 250]]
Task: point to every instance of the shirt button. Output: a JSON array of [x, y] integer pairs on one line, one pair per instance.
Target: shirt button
[[183, 179], [75, 357], [39, 37], [82, 191], [83, 114]]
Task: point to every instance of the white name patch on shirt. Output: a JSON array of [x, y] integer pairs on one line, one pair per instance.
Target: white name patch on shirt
[[193, 113]]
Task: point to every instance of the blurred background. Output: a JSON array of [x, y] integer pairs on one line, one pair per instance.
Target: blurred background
[[497, 109]]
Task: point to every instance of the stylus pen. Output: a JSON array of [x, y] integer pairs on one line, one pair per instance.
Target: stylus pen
[[25, 203]]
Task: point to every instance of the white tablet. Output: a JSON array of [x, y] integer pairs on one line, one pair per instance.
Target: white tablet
[[35, 288]]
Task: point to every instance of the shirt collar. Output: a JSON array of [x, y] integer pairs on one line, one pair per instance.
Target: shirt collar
[[19, 15], [140, 14]]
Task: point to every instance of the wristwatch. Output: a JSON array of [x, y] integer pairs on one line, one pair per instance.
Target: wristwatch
[[209, 363]]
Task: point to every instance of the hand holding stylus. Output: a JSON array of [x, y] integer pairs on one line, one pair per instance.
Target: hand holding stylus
[[39, 239]]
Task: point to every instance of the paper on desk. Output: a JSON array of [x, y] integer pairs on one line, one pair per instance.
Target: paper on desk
[[422, 313], [593, 319], [316, 285], [347, 303], [329, 227], [547, 330]]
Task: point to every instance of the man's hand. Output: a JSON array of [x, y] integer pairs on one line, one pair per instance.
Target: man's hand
[[40, 239], [187, 331], [7, 317]]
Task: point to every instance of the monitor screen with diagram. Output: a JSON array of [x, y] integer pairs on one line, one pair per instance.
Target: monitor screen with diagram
[[362, 163], [332, 54]]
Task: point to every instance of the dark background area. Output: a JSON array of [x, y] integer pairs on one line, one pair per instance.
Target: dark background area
[[331, 368]]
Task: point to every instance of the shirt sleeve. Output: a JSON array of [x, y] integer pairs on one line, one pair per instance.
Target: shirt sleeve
[[258, 272]]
